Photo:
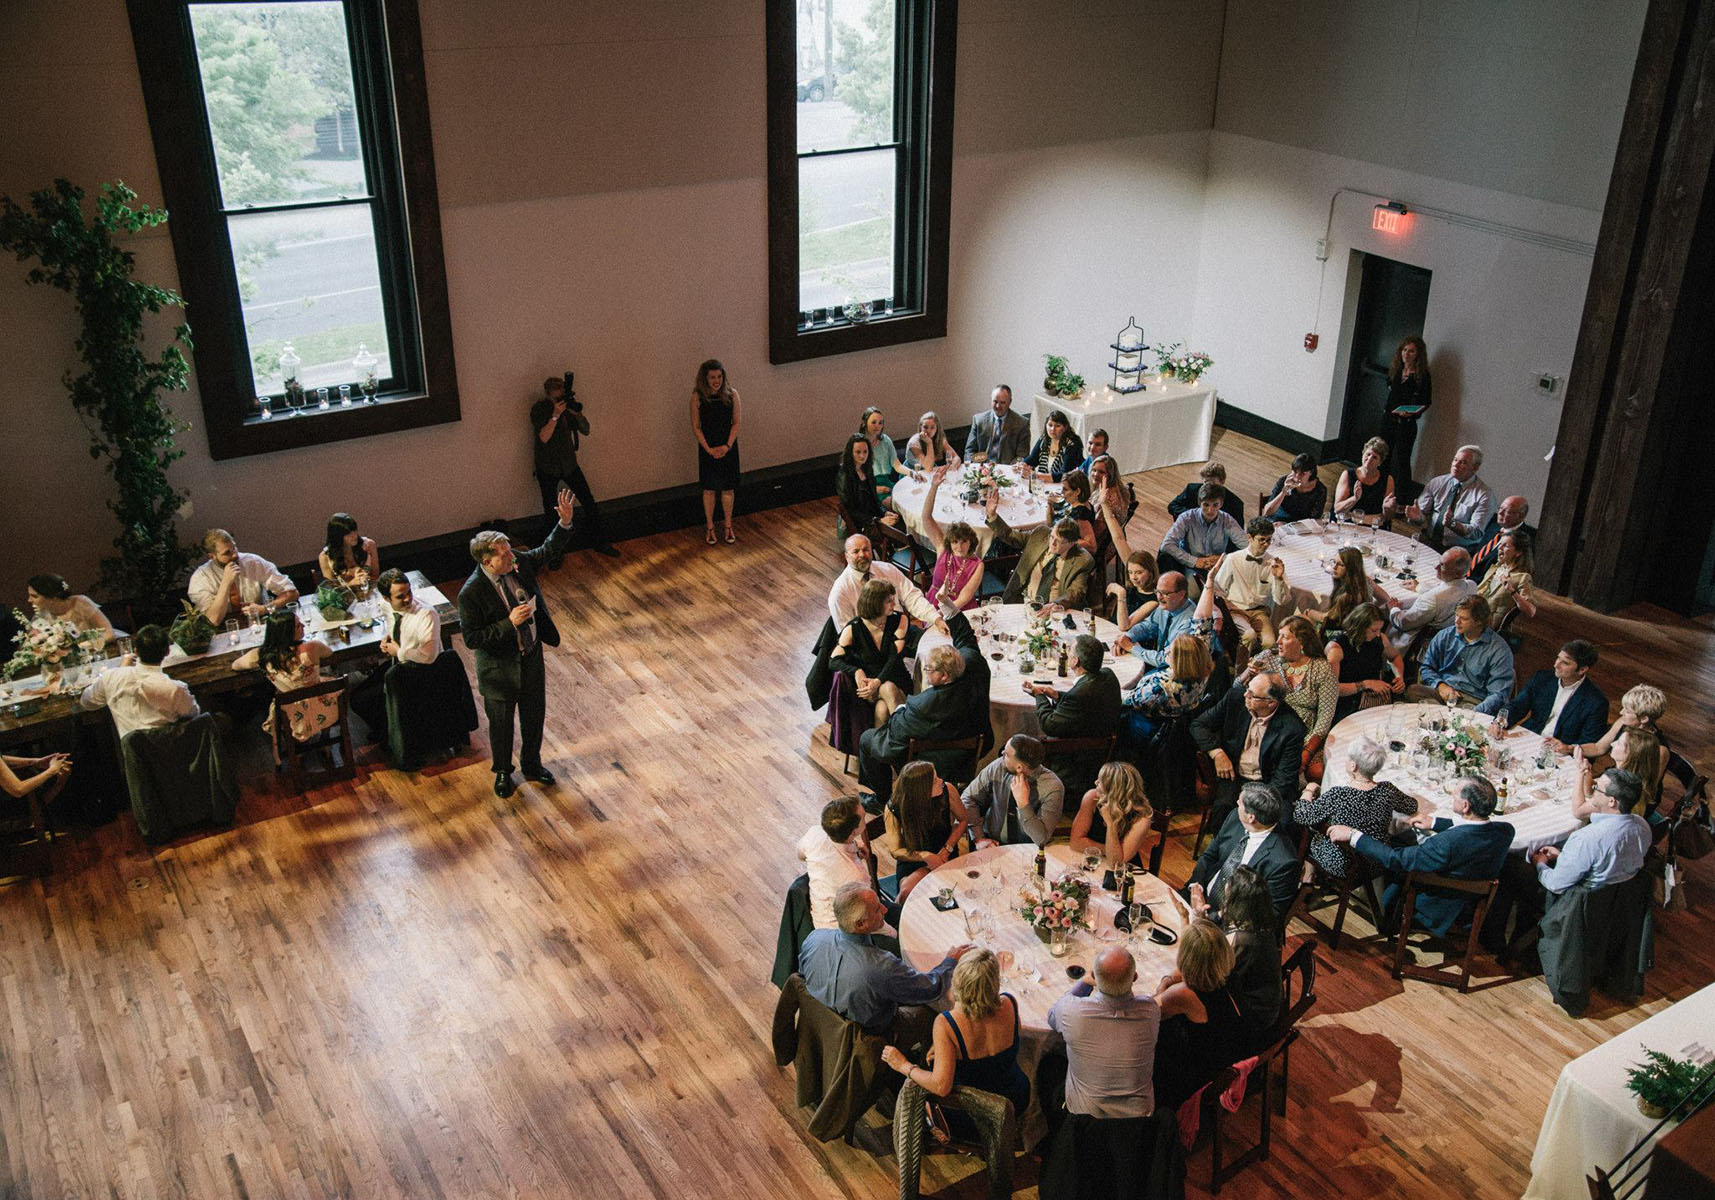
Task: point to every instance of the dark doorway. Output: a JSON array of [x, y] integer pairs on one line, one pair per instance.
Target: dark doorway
[[1392, 299]]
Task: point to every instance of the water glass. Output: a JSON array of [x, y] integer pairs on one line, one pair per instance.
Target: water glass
[[265, 406], [122, 646], [321, 397], [231, 632], [345, 395]]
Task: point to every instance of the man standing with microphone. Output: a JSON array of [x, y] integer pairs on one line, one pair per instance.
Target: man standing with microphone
[[559, 422]]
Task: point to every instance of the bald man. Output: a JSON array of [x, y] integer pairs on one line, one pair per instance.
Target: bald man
[[1433, 605], [1485, 549], [1106, 1068], [861, 567]]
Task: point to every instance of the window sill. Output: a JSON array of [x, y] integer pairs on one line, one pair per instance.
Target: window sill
[[797, 343], [390, 413]]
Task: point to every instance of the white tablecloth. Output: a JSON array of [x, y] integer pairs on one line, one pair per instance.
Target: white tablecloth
[[1011, 708], [1309, 548], [1166, 423], [1592, 1119], [1019, 508], [1539, 804]]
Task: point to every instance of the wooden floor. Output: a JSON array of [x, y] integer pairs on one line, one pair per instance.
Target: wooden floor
[[406, 987]]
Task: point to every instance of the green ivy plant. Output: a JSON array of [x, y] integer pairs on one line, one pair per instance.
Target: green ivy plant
[[1059, 379], [118, 395]]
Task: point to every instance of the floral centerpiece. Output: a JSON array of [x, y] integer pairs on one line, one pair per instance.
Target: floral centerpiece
[[1041, 639], [982, 477], [1062, 906], [1458, 741], [1190, 365], [46, 646]]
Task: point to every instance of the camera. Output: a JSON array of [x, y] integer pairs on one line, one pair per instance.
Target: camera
[[572, 396]]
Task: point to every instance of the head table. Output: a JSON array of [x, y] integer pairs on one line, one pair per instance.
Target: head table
[[1309, 548], [1539, 803], [1024, 506]]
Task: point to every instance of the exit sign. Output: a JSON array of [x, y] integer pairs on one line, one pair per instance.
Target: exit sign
[[1390, 218]]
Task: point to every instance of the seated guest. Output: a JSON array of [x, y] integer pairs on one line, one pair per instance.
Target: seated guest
[[953, 703], [1455, 507], [884, 465], [292, 661], [1201, 1032], [871, 651], [1107, 1067], [1509, 519], [1640, 751], [1434, 603], [1351, 588], [1642, 707], [234, 584], [1136, 596], [1015, 797], [847, 972], [1212, 472], [1365, 492], [1172, 616], [425, 693], [1075, 506], [1469, 664], [1058, 450], [52, 596], [1176, 690], [834, 852], [1359, 656], [1098, 448], [1052, 571], [1254, 584], [1252, 738], [1257, 988], [1249, 837], [1108, 488], [1609, 849], [138, 693], [40, 782], [1362, 803], [1200, 536], [928, 448], [857, 488], [958, 578], [1089, 708], [1474, 847], [926, 819], [1297, 495], [1296, 665], [349, 558], [1506, 585], [861, 567], [976, 1043], [997, 434], [1113, 819]]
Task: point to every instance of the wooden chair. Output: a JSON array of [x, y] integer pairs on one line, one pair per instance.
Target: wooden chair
[[1052, 746], [1302, 963], [904, 552], [996, 1127], [26, 839], [289, 749], [1693, 788], [1343, 888], [1447, 974], [916, 748], [1505, 624]]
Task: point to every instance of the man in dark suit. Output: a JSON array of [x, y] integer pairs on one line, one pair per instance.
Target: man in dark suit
[[506, 623], [1252, 738], [954, 703], [1485, 548], [1562, 704], [999, 435], [1089, 708], [1475, 849], [1212, 472], [1248, 838]]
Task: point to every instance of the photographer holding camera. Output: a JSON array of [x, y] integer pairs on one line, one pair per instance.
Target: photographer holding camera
[[559, 422]]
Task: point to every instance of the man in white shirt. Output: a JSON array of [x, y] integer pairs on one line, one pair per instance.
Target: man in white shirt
[[834, 852], [861, 567], [1454, 507], [414, 630], [1434, 605], [138, 694], [231, 583], [1254, 583]]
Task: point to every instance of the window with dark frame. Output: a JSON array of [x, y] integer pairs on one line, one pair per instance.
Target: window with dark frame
[[860, 122], [293, 144]]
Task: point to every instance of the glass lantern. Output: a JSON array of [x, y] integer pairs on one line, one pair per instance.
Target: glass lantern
[[365, 363]]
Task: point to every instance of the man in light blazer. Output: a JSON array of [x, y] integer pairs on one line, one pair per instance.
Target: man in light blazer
[[999, 435], [505, 622]]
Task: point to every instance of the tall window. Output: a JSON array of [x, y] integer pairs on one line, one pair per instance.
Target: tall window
[[306, 253], [860, 164]]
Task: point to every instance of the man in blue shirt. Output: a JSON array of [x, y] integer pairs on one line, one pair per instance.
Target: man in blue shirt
[[1200, 536], [844, 970], [1610, 849], [1467, 663], [1150, 637]]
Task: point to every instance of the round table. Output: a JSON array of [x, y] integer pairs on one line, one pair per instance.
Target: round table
[[1309, 548], [1019, 508], [1539, 804], [1011, 708]]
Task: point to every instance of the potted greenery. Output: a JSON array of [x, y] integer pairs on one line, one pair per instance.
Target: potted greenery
[[1060, 380], [191, 631], [1661, 1082]]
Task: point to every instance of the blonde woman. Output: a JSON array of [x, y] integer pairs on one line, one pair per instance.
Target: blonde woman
[[928, 448], [976, 1044], [1113, 820], [1365, 492], [1642, 707], [1201, 1029]]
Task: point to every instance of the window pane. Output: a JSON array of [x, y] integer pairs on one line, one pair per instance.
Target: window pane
[[310, 277], [277, 82], [852, 103], [845, 228]]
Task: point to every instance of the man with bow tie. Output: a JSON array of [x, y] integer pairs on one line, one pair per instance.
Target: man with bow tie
[[1254, 584]]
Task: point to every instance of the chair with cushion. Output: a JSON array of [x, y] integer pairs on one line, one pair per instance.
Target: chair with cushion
[[1598, 936], [177, 776], [997, 1132], [289, 750], [1449, 973], [839, 1067]]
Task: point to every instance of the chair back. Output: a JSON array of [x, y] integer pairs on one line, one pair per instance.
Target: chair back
[[1694, 788], [904, 552], [289, 749], [1052, 746], [1302, 963], [1448, 974], [1507, 621], [964, 769], [996, 1124]]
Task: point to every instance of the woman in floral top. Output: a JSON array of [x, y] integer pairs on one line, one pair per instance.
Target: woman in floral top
[[1177, 689], [1297, 665]]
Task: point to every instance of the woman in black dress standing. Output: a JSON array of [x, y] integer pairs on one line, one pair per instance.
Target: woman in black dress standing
[[714, 419], [1407, 386]]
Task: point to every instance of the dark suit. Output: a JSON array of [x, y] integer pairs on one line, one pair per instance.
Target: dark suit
[[509, 680], [1186, 500], [1090, 708], [1014, 436], [1475, 850], [1275, 861], [1584, 719], [959, 709], [1224, 727]]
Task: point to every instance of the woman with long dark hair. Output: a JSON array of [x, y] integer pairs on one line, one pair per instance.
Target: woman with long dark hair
[[52, 596], [348, 557], [1408, 390], [925, 821], [292, 661], [855, 486], [714, 421]]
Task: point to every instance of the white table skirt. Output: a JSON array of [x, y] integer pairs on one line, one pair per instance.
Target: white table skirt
[[1539, 807], [1018, 507], [1166, 423], [1592, 1119], [1309, 549]]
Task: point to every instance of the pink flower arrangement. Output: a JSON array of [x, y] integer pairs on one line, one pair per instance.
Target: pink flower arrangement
[[44, 643], [1061, 907]]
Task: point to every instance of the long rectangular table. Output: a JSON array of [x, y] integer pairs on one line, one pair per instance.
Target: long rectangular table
[[1167, 423]]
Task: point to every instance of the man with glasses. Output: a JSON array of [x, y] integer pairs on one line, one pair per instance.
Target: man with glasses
[[1173, 615], [1254, 584], [1252, 738]]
